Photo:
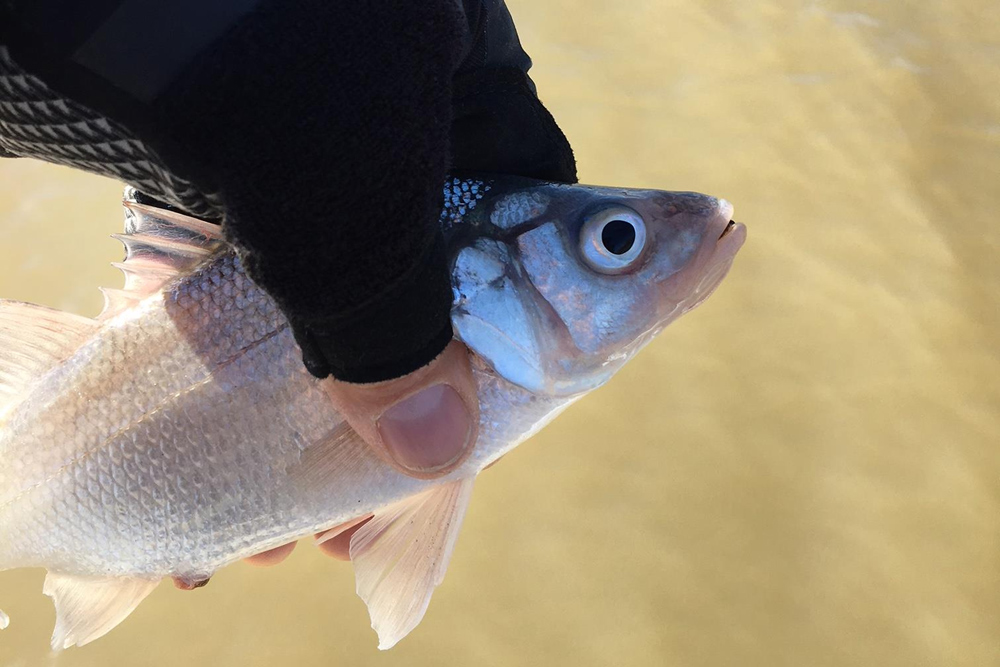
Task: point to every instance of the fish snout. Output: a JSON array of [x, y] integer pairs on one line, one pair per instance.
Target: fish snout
[[704, 239]]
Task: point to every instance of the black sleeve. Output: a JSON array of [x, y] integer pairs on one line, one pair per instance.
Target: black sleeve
[[327, 136]]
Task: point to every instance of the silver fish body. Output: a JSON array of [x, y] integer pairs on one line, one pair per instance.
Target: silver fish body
[[156, 452], [180, 432]]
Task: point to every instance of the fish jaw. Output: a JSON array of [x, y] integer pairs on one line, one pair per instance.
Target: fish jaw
[[693, 284]]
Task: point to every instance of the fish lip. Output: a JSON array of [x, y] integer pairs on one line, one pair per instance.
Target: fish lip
[[730, 233], [723, 218], [732, 237]]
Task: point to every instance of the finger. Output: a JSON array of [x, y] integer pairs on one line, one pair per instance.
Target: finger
[[185, 584], [425, 423], [272, 556], [339, 546]]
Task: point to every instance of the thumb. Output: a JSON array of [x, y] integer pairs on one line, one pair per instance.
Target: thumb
[[423, 424]]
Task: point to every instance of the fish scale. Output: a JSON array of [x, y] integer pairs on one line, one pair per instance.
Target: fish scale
[[180, 431]]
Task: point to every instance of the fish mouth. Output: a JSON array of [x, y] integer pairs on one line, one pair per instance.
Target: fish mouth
[[731, 239], [715, 259], [731, 234]]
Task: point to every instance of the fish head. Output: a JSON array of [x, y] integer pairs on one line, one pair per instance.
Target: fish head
[[558, 286]]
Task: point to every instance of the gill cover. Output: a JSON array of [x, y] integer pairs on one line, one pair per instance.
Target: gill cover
[[495, 317]]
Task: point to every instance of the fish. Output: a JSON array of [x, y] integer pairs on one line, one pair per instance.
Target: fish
[[179, 432]]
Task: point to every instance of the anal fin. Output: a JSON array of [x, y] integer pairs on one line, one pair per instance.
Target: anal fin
[[89, 607], [401, 555]]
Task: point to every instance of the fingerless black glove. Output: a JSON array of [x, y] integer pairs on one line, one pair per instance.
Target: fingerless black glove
[[319, 133]]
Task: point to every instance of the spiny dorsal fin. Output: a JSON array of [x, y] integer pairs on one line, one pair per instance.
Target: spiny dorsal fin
[[159, 245], [33, 339]]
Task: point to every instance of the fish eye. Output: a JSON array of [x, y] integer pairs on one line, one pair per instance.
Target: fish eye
[[612, 239]]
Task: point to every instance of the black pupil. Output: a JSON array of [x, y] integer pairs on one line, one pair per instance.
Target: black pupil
[[618, 236]]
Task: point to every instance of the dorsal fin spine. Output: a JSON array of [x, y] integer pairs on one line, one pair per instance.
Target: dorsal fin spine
[[141, 218], [136, 243], [159, 246]]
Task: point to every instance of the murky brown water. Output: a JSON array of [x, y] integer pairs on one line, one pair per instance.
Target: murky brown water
[[806, 471]]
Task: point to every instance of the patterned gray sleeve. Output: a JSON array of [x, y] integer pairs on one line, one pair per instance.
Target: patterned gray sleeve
[[37, 122]]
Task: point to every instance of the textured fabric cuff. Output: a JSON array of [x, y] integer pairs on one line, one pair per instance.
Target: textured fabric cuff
[[406, 328]]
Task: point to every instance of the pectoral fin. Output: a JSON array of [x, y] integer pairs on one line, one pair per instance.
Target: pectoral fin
[[401, 555], [89, 607]]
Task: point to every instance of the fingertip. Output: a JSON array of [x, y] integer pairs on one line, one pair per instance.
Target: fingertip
[[272, 556], [427, 433], [338, 546], [185, 584]]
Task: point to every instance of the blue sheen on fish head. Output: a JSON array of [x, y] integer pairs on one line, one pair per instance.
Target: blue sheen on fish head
[[558, 286]]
